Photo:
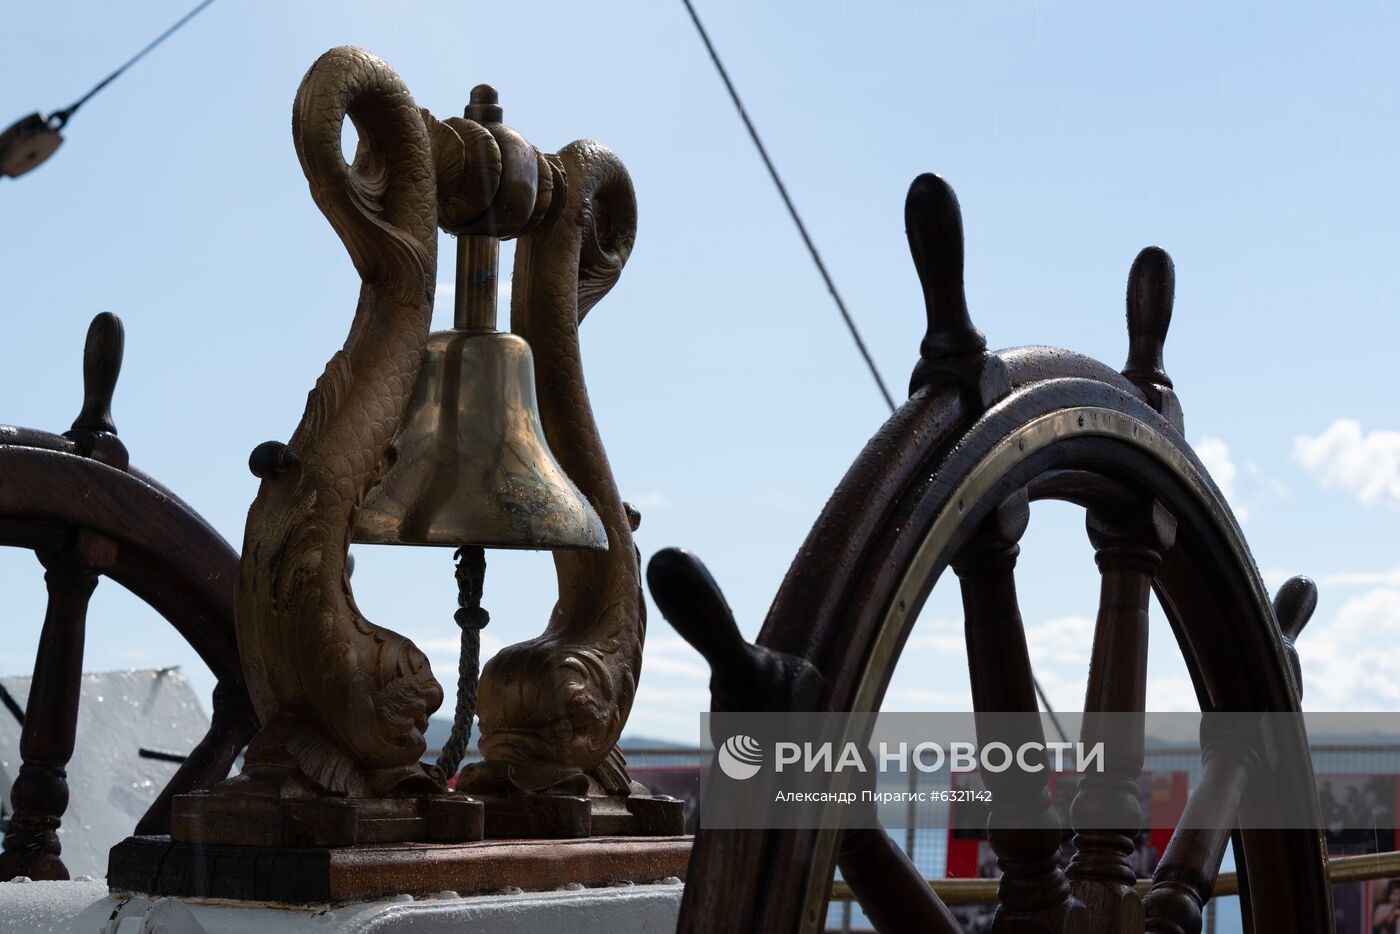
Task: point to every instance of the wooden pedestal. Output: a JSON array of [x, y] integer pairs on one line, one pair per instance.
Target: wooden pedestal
[[536, 816], [329, 875], [251, 820]]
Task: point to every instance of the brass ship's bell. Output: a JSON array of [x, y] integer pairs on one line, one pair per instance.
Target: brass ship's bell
[[471, 464]]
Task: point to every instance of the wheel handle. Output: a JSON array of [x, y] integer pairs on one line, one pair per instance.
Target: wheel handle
[[743, 676], [1293, 607]]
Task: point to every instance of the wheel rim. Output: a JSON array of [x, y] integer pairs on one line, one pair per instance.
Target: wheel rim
[[1053, 439]]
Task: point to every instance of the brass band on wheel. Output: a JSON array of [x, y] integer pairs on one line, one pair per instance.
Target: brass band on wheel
[[1026, 440], [1030, 438]]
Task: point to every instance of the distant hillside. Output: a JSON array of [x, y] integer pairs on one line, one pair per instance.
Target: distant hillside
[[439, 728], [648, 742]]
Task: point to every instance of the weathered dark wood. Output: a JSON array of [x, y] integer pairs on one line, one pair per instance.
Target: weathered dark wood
[[1128, 551], [1151, 292], [728, 865], [1185, 877], [206, 819], [1084, 488], [743, 677], [891, 891], [558, 816], [1036, 363], [952, 352], [93, 429], [232, 724], [841, 587], [1034, 895], [40, 791], [1294, 604], [842, 608], [313, 875], [76, 502], [166, 554], [933, 226]]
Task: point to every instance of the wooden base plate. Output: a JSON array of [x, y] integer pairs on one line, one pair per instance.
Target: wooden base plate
[[330, 875], [251, 820], [538, 816]]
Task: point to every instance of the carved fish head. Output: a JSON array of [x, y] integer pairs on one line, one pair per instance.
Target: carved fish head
[[563, 703], [386, 710], [404, 707]]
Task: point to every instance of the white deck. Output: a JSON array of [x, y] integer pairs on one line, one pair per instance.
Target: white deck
[[110, 784], [86, 907]]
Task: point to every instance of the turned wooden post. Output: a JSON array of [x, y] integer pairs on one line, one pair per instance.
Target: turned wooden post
[[1185, 878], [893, 893], [39, 795], [1106, 813], [40, 792], [1234, 751], [1034, 894]]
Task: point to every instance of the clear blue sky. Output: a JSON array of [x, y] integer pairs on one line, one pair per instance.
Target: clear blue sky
[[1256, 142]]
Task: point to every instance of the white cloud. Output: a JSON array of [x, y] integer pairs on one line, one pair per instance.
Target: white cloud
[[1367, 465], [1389, 578], [1067, 640], [951, 643], [673, 657], [654, 499], [932, 672], [653, 664], [919, 699], [1215, 454], [674, 690], [1170, 694], [1350, 661], [1267, 485]]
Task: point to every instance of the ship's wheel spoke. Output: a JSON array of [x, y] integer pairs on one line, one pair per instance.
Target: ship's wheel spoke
[[1023, 830], [40, 791], [890, 889], [1106, 812], [1185, 877]]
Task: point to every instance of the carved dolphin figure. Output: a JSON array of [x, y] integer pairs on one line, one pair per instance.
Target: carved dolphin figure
[[552, 708], [344, 702]]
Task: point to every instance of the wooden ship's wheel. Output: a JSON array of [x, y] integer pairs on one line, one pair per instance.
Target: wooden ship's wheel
[[75, 501], [947, 483]]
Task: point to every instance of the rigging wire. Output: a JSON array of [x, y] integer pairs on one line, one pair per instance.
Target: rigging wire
[[817, 260], [60, 118], [792, 209], [1048, 709]]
